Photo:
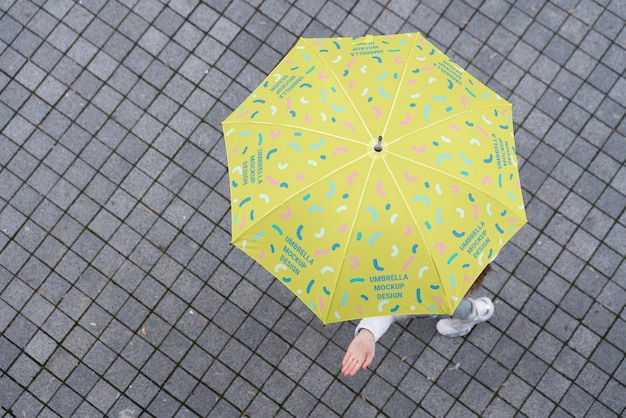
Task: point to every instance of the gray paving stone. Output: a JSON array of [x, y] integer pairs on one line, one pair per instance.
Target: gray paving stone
[[18, 130], [168, 21], [95, 320], [11, 220], [11, 391], [10, 62], [235, 355], [301, 402], [576, 401], [437, 401], [612, 395], [37, 309], [108, 261], [278, 387], [141, 391], [58, 325], [538, 404], [23, 370], [13, 257], [23, 165], [201, 401], [28, 404], [133, 185]]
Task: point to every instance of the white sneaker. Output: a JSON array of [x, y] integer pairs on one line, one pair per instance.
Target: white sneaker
[[482, 310]]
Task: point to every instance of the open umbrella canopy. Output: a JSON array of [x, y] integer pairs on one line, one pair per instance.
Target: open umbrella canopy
[[373, 176]]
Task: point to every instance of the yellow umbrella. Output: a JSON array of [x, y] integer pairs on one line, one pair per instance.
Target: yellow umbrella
[[373, 176]]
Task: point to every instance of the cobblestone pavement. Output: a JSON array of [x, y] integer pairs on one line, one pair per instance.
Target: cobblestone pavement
[[120, 295]]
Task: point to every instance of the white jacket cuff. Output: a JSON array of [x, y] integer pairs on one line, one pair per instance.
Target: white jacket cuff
[[376, 325]]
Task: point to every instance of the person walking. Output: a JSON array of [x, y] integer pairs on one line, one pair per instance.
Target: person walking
[[469, 312]]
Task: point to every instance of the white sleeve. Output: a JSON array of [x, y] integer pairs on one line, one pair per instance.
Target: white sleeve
[[377, 325]]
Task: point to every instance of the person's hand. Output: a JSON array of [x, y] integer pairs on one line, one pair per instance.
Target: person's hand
[[360, 353]]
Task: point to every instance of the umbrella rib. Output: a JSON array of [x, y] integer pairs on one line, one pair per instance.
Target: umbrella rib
[[406, 203], [354, 221], [440, 121], [415, 222], [345, 92], [279, 206], [394, 102], [429, 167], [297, 127], [443, 173]]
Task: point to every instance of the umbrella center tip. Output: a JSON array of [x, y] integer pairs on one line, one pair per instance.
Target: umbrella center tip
[[379, 145]]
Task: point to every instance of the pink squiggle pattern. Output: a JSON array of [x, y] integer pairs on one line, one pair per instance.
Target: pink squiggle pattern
[[407, 120], [321, 252], [486, 180], [351, 84], [408, 177], [419, 150], [467, 278], [512, 220], [351, 63], [482, 131], [475, 212], [288, 103], [351, 177], [455, 188], [455, 127], [427, 69], [359, 310], [242, 223], [235, 149], [243, 115], [321, 303], [407, 263], [465, 101], [276, 133], [308, 118], [355, 262], [271, 180], [411, 82], [322, 75], [441, 246], [340, 149], [300, 177], [438, 299], [343, 228], [317, 43], [262, 255], [397, 59], [379, 190], [376, 112], [408, 231], [287, 213], [349, 125]]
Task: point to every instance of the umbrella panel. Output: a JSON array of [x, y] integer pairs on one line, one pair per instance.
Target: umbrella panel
[[354, 232]]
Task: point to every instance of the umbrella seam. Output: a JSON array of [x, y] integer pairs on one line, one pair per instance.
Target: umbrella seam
[[440, 121], [296, 127], [393, 104], [419, 229], [345, 92], [311, 185], [426, 130], [445, 174], [523, 219], [352, 226]]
